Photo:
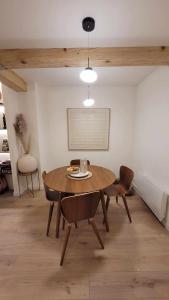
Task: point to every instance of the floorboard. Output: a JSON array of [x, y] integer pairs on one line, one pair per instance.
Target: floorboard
[[134, 264]]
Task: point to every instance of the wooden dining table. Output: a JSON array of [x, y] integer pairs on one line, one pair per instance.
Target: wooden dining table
[[101, 178]]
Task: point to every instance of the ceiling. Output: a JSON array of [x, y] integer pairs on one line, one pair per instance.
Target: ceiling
[[57, 23], [70, 76]]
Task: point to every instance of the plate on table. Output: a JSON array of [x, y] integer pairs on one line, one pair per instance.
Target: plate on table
[[79, 175]]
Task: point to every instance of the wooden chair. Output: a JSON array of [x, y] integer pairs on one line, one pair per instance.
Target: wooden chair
[[52, 196], [76, 162], [121, 188], [77, 208]]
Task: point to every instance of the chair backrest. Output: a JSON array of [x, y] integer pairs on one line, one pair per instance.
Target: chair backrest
[[50, 194], [80, 207], [126, 177], [76, 162]]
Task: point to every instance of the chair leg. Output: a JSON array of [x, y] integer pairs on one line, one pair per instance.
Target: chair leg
[[63, 224], [104, 210], [96, 232], [75, 224], [65, 244], [107, 202], [127, 209], [116, 199], [107, 205], [58, 218], [49, 217]]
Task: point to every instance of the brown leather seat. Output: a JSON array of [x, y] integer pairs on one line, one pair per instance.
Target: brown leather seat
[[77, 208], [52, 196], [121, 188]]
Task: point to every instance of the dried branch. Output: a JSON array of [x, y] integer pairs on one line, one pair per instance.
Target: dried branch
[[21, 130]]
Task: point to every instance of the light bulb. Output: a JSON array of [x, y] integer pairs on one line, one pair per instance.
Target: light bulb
[[88, 75], [88, 102]]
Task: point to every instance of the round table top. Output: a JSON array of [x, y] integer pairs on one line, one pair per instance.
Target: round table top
[[58, 180]]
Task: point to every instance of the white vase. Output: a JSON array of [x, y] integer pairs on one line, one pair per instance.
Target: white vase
[[27, 163]]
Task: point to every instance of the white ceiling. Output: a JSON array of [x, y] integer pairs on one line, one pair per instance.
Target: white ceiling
[[70, 76], [57, 23]]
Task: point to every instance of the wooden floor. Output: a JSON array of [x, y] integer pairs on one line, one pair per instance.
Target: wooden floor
[[133, 265]]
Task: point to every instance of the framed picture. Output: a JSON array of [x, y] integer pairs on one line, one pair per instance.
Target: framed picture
[[88, 128]]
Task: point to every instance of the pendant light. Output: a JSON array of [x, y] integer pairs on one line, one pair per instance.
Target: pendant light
[[88, 75], [89, 101]]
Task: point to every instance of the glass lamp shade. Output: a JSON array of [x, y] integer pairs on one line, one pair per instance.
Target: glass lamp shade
[[88, 102], [88, 75]]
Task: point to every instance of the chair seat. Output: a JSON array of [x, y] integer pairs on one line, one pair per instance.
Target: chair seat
[[115, 189], [67, 195], [52, 195], [121, 187], [78, 208]]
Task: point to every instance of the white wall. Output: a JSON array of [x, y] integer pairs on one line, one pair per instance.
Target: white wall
[[151, 150], [11, 109], [138, 127], [21, 103], [52, 120], [28, 106]]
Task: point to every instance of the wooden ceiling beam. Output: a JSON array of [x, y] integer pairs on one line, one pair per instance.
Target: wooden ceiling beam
[[77, 57], [13, 81]]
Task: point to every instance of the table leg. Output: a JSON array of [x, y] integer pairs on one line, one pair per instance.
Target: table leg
[[19, 186], [58, 218], [39, 180], [32, 185], [27, 183], [104, 210]]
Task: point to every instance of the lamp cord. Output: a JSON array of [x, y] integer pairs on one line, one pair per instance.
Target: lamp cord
[[88, 86], [88, 91], [88, 47]]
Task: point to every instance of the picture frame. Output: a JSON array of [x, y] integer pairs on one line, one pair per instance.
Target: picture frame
[[88, 128]]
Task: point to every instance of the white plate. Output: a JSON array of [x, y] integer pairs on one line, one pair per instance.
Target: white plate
[[80, 178], [79, 175]]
